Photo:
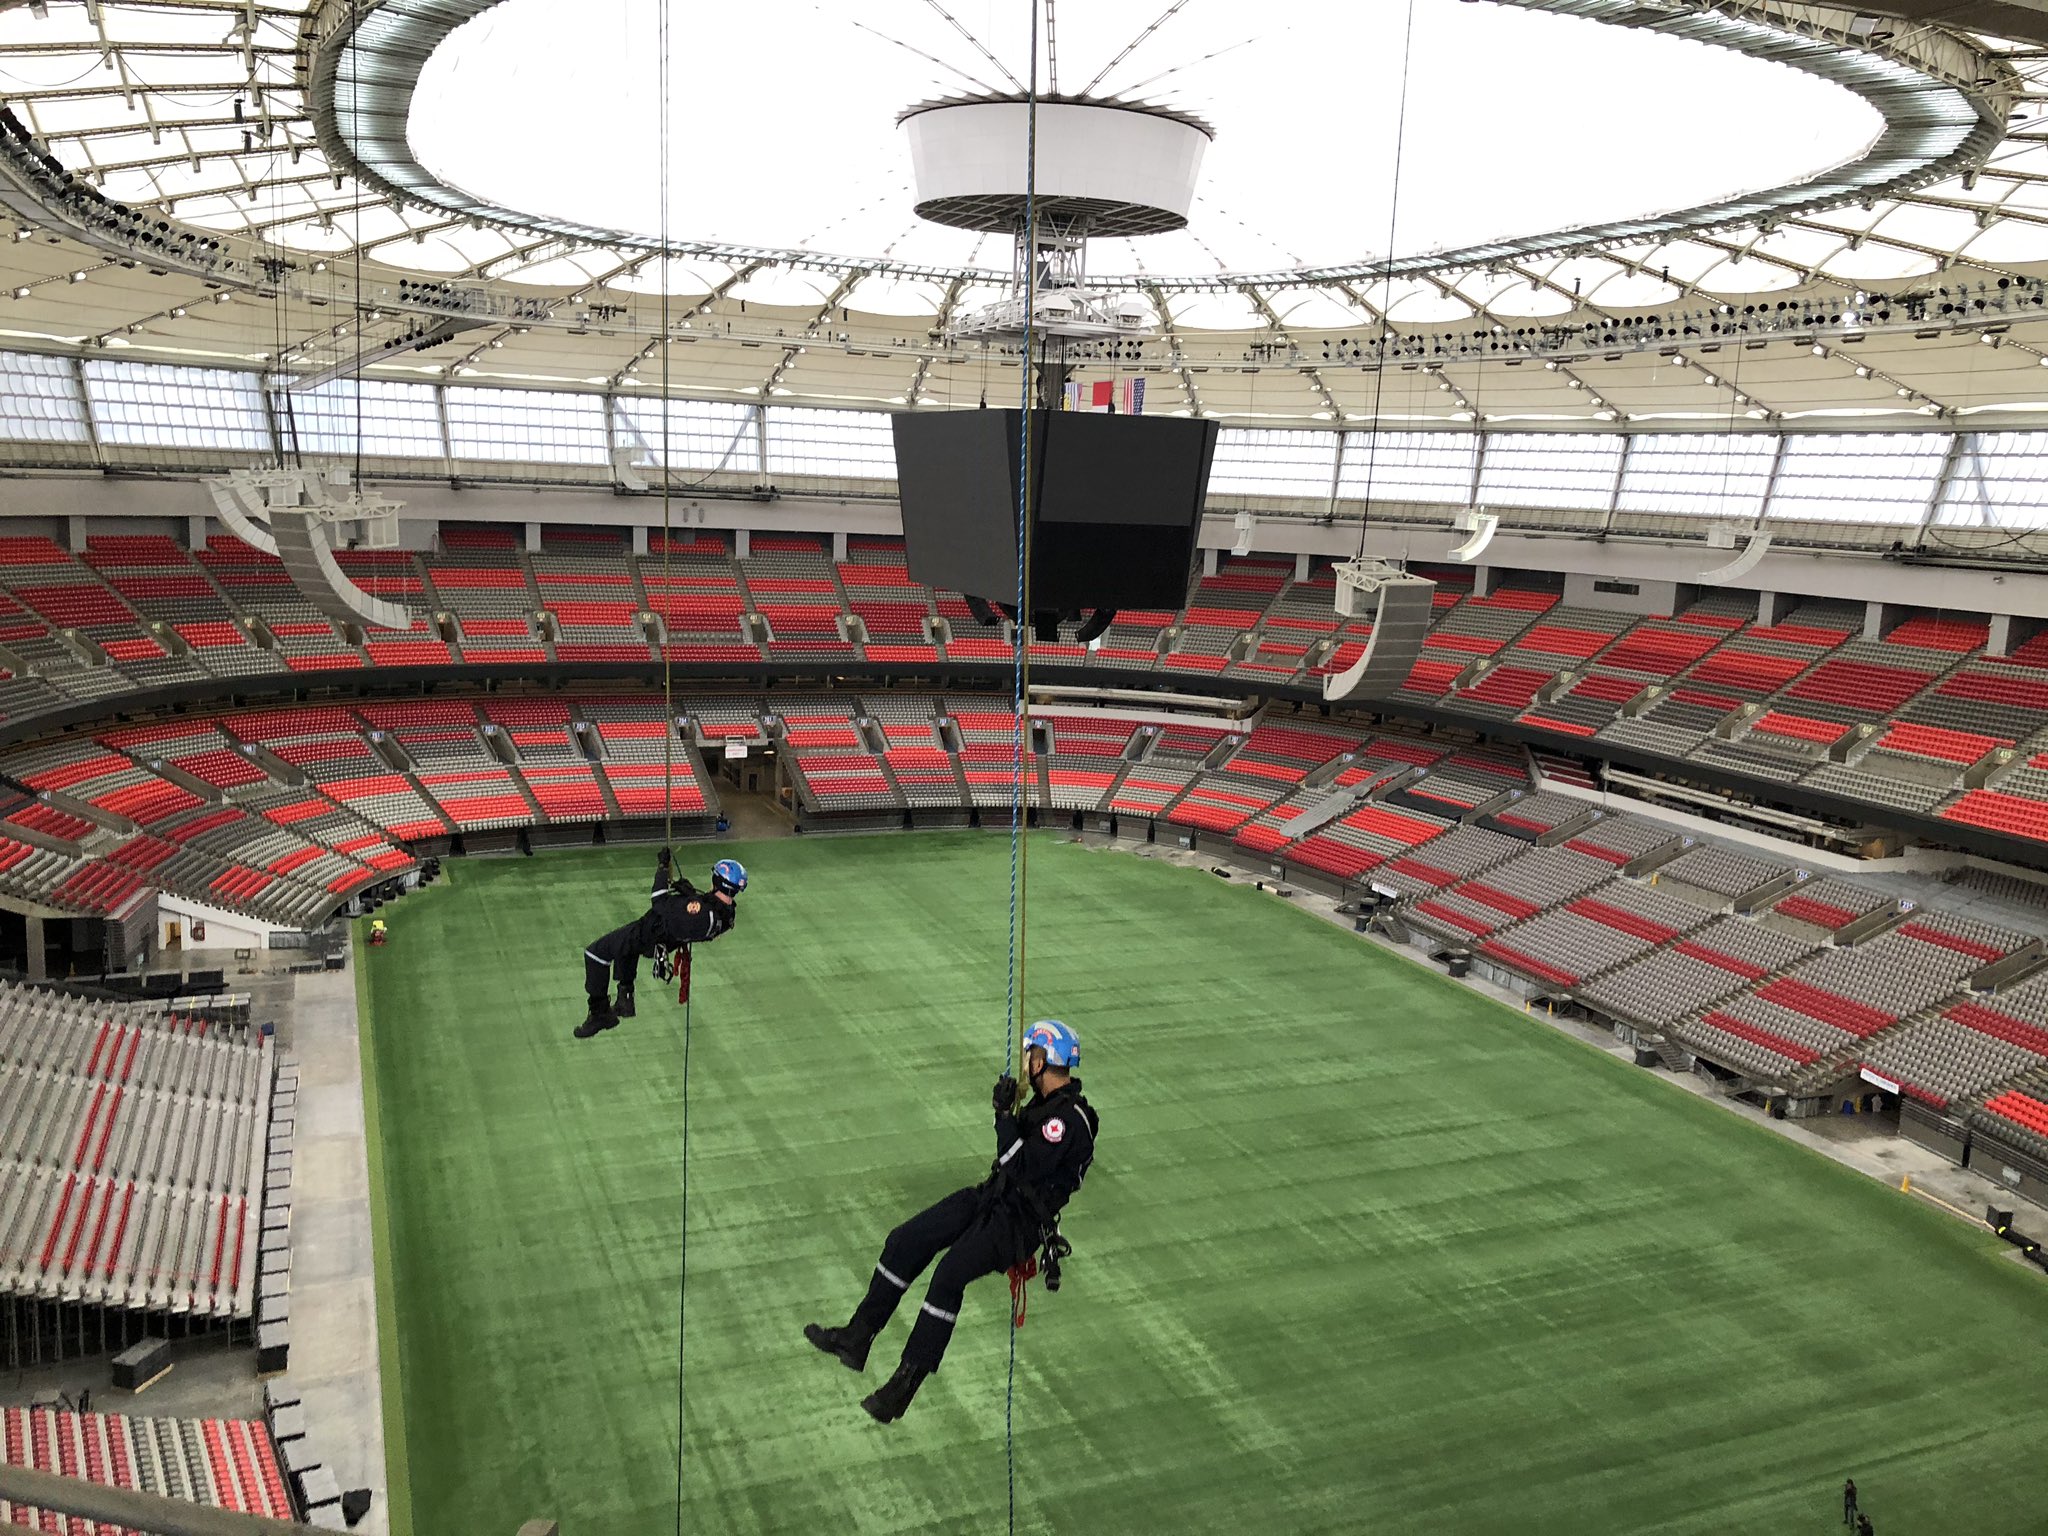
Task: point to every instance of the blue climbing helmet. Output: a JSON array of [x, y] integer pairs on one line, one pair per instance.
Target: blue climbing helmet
[[1061, 1045], [729, 875]]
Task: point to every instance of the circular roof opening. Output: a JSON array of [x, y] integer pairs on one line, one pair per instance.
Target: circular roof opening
[[782, 121]]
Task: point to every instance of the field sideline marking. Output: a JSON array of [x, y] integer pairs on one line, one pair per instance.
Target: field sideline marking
[[1906, 1188], [397, 1459]]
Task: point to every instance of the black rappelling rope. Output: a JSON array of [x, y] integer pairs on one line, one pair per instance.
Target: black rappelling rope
[[1379, 377], [668, 778]]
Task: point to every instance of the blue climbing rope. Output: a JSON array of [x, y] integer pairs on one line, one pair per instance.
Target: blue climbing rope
[[683, 1286], [1020, 657]]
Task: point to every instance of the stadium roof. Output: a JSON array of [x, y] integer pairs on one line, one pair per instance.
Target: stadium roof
[[1657, 212]]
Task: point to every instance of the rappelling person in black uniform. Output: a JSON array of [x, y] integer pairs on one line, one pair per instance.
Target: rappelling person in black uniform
[[678, 914], [1042, 1154]]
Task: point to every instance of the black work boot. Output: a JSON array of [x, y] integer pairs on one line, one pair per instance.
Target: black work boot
[[601, 1019], [848, 1345], [623, 1008], [890, 1401]]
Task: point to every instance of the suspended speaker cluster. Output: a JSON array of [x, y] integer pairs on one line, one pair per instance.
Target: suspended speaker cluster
[[1400, 606]]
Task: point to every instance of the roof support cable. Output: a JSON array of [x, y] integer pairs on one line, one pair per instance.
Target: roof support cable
[[982, 48], [1129, 48]]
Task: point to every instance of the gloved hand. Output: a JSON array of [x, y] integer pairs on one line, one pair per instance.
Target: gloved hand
[[664, 858], [1005, 1095]]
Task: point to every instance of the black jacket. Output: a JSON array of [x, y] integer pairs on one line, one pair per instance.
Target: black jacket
[[685, 915], [1043, 1153]]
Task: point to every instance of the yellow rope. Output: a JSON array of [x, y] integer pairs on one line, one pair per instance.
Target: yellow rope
[[1024, 764]]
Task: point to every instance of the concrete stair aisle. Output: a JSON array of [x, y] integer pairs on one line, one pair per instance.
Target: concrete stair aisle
[[959, 773], [540, 817], [604, 790], [889, 777], [1335, 803], [949, 737], [387, 750], [543, 628], [498, 745], [850, 626], [1116, 783], [1337, 800], [638, 587]]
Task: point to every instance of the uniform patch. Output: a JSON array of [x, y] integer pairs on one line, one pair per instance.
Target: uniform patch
[[1054, 1129], [694, 907]]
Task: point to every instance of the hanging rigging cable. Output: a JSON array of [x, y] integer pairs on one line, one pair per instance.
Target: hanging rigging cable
[[1020, 656], [1379, 378], [668, 710], [355, 86], [668, 694]]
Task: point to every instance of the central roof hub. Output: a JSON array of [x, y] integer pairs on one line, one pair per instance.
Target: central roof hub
[[1103, 168]]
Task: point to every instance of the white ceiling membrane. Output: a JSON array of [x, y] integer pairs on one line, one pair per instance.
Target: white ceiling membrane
[[479, 117], [1889, 159], [1504, 153]]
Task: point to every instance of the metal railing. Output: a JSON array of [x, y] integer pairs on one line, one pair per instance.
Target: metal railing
[[131, 1509]]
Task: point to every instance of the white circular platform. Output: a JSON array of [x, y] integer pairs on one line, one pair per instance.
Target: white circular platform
[[1115, 170]]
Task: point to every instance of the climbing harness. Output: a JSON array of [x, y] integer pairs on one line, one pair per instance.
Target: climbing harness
[[1020, 1276], [673, 964], [1043, 1264]]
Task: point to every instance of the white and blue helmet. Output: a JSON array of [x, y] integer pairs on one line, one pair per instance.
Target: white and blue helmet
[[1061, 1045]]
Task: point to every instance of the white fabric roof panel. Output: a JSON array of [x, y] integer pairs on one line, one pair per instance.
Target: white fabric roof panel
[[192, 90]]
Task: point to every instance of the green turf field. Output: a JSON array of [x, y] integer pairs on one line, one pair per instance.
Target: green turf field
[[1361, 1251]]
